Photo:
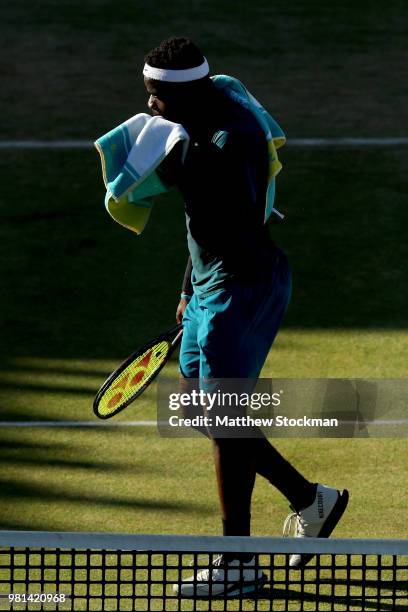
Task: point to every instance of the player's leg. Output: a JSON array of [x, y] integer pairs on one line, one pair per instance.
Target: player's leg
[[235, 332], [235, 469], [237, 576], [316, 507], [220, 338], [268, 305]]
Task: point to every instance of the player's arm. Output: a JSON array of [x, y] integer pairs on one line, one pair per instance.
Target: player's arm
[[171, 165], [186, 292], [168, 171]]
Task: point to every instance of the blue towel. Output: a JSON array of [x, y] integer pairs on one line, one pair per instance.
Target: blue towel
[[274, 135], [130, 155]]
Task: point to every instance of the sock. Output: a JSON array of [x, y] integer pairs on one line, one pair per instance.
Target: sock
[[229, 529]]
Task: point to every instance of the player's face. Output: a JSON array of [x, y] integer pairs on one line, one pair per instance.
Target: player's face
[[163, 101], [155, 103]]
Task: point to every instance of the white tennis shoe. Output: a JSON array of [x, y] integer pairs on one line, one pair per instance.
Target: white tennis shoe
[[222, 578], [317, 520]]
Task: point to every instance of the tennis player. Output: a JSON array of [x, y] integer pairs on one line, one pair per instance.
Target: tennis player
[[235, 293]]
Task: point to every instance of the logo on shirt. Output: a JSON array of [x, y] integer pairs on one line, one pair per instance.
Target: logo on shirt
[[219, 139]]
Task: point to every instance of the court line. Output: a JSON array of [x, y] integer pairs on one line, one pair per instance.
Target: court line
[[46, 144], [298, 142], [62, 424], [348, 141]]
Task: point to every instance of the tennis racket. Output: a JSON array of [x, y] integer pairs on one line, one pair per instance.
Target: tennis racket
[[135, 374]]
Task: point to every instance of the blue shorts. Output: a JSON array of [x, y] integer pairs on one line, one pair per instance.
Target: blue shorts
[[228, 334]]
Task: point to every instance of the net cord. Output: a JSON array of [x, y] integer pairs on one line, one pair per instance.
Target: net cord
[[185, 543]]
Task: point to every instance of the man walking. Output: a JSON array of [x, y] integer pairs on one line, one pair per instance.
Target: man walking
[[235, 293]]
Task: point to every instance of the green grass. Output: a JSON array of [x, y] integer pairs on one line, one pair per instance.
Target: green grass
[[324, 69], [78, 286], [80, 293], [131, 480]]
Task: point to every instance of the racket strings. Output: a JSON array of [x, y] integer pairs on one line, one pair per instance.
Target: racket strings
[[133, 378]]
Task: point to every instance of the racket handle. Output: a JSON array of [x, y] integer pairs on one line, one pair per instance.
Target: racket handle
[[178, 337]]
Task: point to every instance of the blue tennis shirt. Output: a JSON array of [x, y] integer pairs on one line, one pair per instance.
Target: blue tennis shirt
[[223, 181]]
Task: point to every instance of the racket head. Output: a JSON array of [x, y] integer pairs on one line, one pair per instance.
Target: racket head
[[135, 374]]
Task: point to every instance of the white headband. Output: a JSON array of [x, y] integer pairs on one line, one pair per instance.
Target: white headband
[[177, 76]]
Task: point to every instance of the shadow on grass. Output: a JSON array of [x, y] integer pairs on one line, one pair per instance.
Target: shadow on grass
[[70, 459], [370, 602], [13, 524], [13, 490], [97, 466], [18, 386], [104, 300], [87, 371], [54, 456], [26, 446]]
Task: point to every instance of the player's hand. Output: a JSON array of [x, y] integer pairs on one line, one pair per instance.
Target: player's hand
[[180, 310]]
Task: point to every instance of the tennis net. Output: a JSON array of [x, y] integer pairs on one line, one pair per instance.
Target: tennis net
[[100, 571]]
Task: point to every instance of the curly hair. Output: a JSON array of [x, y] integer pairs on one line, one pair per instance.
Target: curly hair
[[176, 53]]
